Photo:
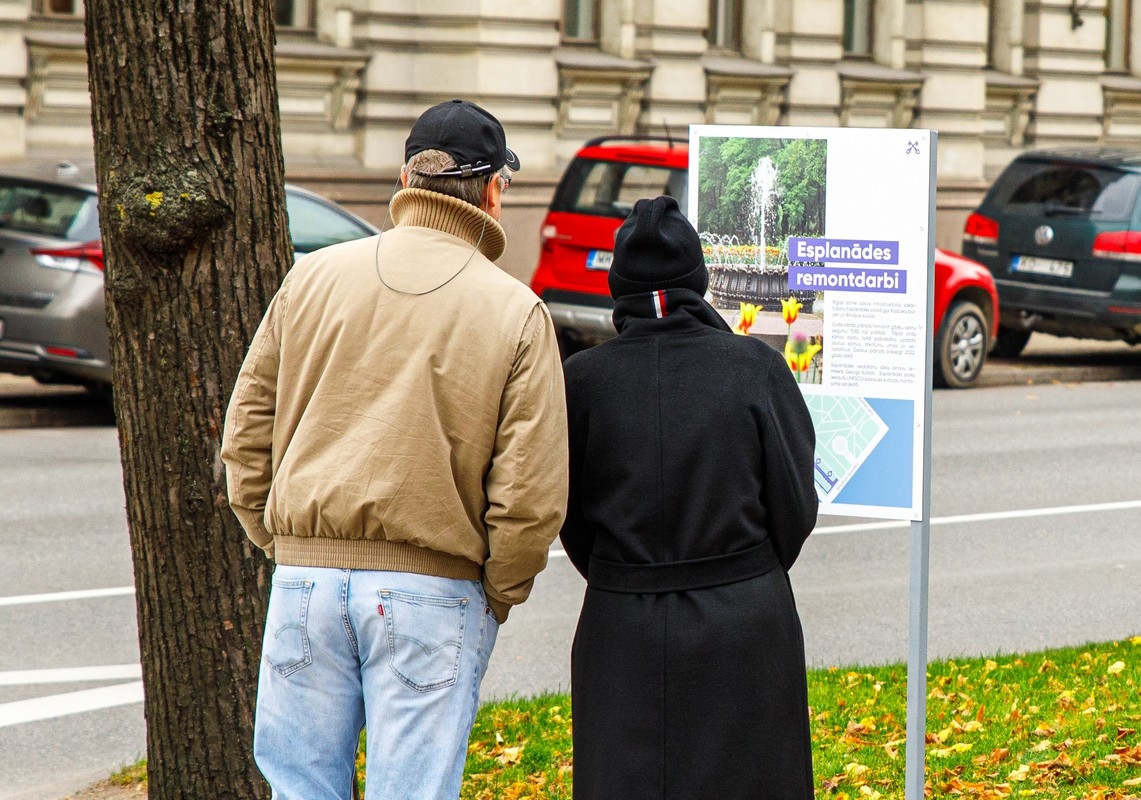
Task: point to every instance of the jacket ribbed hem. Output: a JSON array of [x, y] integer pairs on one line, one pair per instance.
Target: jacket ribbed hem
[[305, 551]]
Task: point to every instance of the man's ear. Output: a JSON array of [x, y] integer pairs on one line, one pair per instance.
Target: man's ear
[[404, 177]]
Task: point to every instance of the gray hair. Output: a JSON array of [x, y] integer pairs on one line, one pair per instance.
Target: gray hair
[[470, 190]]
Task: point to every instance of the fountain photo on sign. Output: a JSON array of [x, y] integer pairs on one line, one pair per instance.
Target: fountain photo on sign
[[754, 194]]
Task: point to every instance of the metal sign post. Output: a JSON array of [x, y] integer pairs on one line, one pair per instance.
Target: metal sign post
[[920, 543]]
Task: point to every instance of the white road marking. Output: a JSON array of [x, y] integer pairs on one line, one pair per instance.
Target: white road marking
[[51, 597], [990, 516], [62, 705], [32, 677]]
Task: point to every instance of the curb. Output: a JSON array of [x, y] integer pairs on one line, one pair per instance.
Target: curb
[[1012, 374], [26, 404], [43, 417]]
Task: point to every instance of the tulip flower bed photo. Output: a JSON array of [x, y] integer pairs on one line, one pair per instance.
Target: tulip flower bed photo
[[1056, 724], [802, 352]]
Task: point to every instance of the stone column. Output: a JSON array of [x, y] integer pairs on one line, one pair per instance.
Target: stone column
[[1068, 62], [13, 76], [952, 53]]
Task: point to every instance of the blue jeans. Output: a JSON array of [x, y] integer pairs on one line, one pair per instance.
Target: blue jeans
[[397, 653]]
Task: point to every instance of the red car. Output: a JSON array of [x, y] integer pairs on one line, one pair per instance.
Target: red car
[[599, 189]]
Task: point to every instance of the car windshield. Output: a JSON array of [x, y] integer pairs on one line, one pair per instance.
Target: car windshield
[[45, 209], [610, 188], [314, 224], [1060, 188]]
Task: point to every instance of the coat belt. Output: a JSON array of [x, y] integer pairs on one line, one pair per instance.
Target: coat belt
[[680, 576]]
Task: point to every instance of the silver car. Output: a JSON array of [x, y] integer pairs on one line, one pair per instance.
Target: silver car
[[53, 324]]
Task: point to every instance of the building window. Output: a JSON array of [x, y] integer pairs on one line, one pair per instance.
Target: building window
[[293, 13], [858, 27], [580, 20], [1117, 36], [725, 24], [58, 7]]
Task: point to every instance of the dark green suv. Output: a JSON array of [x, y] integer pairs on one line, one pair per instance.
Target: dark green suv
[[1060, 230]]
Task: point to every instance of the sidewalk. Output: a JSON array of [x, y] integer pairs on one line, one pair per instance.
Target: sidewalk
[[27, 404], [1047, 359], [1051, 359]]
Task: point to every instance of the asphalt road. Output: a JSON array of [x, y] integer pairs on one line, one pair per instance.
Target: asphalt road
[[1045, 559]]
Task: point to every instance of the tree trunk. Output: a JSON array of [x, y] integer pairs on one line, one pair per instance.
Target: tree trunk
[[192, 201]]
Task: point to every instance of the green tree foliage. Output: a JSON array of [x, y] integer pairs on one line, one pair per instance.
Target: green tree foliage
[[725, 205]]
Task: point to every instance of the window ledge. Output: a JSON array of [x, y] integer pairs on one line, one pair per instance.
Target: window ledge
[[730, 66], [575, 58], [318, 51], [869, 72], [1121, 83], [1004, 80], [60, 39]]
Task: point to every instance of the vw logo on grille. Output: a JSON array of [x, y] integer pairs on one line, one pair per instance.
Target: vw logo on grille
[[1043, 234]]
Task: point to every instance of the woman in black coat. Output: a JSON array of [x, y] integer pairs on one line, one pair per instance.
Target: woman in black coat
[[691, 494]]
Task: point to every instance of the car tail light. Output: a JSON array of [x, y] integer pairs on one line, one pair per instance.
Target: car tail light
[[981, 230], [66, 352], [1118, 245], [87, 257]]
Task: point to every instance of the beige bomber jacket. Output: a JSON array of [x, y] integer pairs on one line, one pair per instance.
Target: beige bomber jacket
[[402, 408]]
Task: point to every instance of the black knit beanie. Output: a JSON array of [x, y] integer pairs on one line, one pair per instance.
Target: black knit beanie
[[657, 248]]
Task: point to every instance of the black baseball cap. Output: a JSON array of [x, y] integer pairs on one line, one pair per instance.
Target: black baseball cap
[[466, 132]]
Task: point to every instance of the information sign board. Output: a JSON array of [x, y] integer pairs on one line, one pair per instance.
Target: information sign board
[[825, 235]]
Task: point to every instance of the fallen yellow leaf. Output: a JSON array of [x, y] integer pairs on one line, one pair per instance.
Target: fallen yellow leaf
[[1020, 774], [1115, 667], [511, 755], [1132, 782]]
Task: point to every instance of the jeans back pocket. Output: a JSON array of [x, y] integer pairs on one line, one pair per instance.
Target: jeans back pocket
[[425, 637], [286, 645]]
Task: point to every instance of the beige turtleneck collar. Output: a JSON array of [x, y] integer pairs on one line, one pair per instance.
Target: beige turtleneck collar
[[427, 209]]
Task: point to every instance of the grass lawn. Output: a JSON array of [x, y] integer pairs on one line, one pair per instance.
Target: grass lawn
[[1056, 724]]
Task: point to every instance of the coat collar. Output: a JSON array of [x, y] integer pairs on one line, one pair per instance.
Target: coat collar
[[426, 209], [665, 309]]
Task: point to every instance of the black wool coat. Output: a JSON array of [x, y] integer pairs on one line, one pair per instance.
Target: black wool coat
[[691, 494]]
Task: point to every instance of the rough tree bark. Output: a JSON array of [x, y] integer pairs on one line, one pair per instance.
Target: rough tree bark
[[191, 177]]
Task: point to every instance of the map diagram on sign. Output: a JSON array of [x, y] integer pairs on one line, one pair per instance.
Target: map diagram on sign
[[847, 430]]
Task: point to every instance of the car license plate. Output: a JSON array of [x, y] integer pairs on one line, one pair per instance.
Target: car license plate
[[599, 259], [1042, 266]]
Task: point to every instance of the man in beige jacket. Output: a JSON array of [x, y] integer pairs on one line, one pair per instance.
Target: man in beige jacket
[[397, 443]]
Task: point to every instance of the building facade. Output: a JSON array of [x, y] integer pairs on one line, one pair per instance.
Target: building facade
[[993, 77]]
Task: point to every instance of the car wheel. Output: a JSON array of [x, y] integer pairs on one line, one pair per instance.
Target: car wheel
[[960, 349], [1009, 342]]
